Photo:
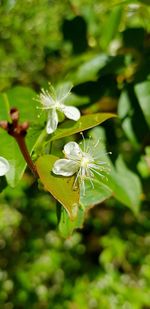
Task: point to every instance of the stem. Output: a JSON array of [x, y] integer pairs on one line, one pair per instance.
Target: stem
[[22, 145], [18, 132]]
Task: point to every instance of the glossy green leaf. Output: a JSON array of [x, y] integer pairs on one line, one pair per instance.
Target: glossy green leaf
[[86, 122], [21, 98], [60, 187]]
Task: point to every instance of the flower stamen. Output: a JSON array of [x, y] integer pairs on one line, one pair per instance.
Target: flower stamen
[[82, 163], [53, 102]]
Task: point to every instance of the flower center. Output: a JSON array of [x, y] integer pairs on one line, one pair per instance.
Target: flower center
[[57, 105], [85, 160]]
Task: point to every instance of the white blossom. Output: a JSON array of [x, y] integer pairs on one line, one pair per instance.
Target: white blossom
[[84, 163], [4, 166], [53, 102]]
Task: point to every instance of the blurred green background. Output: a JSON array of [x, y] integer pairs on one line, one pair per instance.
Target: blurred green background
[[103, 47]]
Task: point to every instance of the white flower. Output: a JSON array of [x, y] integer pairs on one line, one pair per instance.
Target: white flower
[[53, 102], [82, 163], [4, 166]]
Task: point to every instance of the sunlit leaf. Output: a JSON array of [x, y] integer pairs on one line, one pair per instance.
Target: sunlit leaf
[[60, 187], [70, 127]]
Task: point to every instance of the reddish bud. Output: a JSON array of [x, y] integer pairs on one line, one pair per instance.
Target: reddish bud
[[25, 125], [14, 114], [4, 125]]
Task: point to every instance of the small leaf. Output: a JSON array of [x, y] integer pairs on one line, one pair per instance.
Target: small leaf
[[60, 187], [143, 94], [67, 226], [86, 122]]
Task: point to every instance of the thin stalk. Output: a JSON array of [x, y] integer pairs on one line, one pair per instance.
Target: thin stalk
[[22, 145]]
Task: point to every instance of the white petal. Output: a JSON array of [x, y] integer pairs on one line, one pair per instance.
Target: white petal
[[46, 100], [71, 112], [4, 166], [72, 151], [52, 121], [63, 92], [65, 167]]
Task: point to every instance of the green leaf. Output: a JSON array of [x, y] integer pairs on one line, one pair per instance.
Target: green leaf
[[60, 187], [67, 226], [86, 122], [143, 94], [125, 111], [21, 98], [111, 25], [89, 70], [76, 100], [126, 185], [130, 111], [96, 195]]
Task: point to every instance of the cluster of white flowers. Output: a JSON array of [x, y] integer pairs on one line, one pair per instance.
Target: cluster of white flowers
[[85, 164], [4, 166], [53, 102]]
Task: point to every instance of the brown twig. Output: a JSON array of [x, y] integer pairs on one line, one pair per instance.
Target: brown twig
[[19, 131]]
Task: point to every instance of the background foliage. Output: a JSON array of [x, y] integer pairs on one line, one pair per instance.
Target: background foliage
[[103, 48]]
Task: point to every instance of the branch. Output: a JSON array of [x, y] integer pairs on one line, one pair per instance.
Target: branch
[[19, 131]]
